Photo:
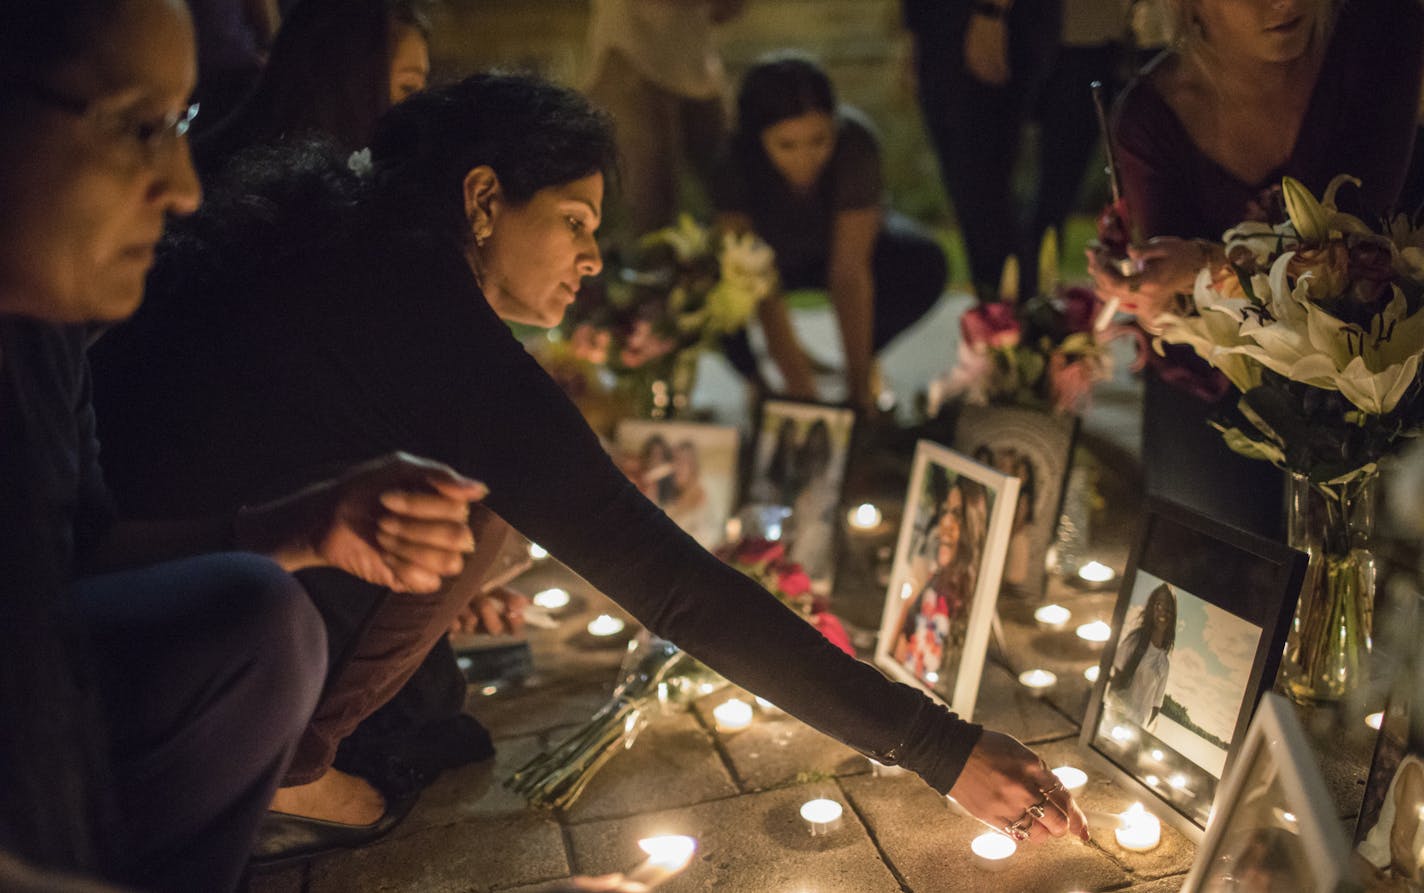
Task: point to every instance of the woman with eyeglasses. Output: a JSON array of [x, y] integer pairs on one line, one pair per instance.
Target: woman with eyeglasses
[[384, 321], [153, 683]]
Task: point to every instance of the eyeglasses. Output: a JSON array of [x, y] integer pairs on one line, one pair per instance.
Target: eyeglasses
[[150, 134]]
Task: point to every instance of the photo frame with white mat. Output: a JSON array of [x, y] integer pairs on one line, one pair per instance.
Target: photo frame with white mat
[[1274, 826], [944, 582], [1198, 630], [689, 469], [1037, 448], [799, 458]]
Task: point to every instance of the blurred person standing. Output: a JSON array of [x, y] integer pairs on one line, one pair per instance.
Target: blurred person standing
[[657, 71]]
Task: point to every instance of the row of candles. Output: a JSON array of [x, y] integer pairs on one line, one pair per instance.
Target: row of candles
[[1137, 831]]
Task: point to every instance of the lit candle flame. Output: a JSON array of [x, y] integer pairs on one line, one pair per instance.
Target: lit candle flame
[[865, 517]]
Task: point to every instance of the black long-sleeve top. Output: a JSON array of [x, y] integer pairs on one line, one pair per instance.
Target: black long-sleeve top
[[214, 397]]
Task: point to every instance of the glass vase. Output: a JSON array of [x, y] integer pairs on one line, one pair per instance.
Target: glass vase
[[1330, 637]]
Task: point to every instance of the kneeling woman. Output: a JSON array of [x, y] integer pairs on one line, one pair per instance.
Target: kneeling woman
[[804, 173], [323, 314]]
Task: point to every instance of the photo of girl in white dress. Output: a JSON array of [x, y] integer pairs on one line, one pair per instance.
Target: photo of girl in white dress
[[1143, 660]]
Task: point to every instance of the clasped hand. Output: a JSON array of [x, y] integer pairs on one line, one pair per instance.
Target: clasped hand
[[1003, 779], [1167, 266], [398, 521]]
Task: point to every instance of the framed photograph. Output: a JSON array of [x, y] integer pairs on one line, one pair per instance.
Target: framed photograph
[[1389, 836], [1037, 448], [688, 469], [1274, 826], [1198, 631], [945, 578], [799, 461]]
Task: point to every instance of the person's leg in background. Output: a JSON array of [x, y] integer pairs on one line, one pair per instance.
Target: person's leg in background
[[1068, 141], [910, 274], [646, 118], [208, 669]]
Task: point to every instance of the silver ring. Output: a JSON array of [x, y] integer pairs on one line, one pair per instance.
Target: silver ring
[[1035, 810], [1016, 832]]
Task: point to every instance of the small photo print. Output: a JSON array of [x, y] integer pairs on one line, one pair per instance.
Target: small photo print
[[689, 470], [1178, 684], [800, 462], [945, 579], [1037, 448]]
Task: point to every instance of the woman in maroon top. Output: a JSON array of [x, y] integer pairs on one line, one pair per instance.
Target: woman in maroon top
[[1251, 91]]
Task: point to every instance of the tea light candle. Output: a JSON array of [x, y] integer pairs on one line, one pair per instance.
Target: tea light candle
[[553, 600], [1038, 681], [538, 552], [605, 625], [1071, 777], [864, 517], [992, 850], [1138, 830], [1053, 616], [1091, 674], [667, 855], [1096, 632], [1178, 781], [733, 715], [767, 707], [880, 770], [822, 815], [1096, 572], [1375, 720]]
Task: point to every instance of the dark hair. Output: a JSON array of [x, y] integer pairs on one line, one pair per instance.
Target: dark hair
[[38, 36], [328, 74], [781, 85], [534, 134], [54, 795], [815, 453], [280, 204], [1141, 634]]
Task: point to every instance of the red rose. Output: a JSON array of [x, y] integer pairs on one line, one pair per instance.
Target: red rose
[[758, 551], [793, 581], [829, 625], [1080, 309], [989, 325]]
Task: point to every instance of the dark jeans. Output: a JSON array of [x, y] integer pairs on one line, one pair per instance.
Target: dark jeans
[[209, 669], [909, 269], [976, 127], [1068, 140]]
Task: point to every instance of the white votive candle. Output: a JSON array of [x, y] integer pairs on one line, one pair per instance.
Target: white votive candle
[[992, 850], [538, 552], [864, 517], [733, 715], [667, 855], [1091, 674], [1096, 632], [1053, 616], [1096, 572], [1038, 681], [605, 625], [1375, 720], [551, 599], [1071, 777], [1138, 830], [822, 816]]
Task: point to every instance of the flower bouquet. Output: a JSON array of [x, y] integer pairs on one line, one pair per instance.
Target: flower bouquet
[[657, 675], [765, 561], [647, 321], [1317, 321], [1045, 352]]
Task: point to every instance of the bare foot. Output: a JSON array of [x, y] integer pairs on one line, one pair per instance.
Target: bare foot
[[335, 797]]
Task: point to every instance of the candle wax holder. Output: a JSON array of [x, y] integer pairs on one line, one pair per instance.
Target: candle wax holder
[[822, 816]]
